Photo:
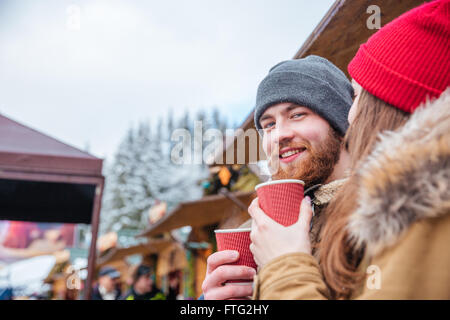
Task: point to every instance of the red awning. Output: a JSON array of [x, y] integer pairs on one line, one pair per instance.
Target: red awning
[[45, 180], [25, 149]]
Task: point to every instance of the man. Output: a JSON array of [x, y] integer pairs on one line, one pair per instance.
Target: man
[[301, 111], [143, 287], [107, 288], [174, 285]]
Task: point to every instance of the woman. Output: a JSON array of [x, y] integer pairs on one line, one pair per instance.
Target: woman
[[388, 229]]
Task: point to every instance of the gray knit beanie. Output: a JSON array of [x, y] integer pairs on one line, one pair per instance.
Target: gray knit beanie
[[312, 82]]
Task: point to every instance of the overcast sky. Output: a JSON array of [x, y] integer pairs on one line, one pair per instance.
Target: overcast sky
[[84, 71]]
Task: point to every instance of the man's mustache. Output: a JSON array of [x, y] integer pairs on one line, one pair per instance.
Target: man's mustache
[[276, 148], [274, 158]]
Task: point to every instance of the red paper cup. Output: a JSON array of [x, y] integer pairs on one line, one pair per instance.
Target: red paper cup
[[239, 240], [281, 199]]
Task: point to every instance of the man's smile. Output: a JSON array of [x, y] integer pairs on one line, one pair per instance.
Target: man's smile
[[290, 154]]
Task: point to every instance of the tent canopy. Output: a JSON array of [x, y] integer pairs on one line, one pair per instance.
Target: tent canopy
[[206, 211], [43, 179]]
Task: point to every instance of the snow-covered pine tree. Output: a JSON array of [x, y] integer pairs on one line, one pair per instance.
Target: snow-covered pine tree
[[118, 185], [143, 171]]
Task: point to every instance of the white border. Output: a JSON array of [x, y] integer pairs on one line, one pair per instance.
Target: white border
[[278, 182], [233, 230], [239, 283]]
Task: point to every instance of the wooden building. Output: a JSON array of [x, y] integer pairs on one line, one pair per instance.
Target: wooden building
[[227, 210]]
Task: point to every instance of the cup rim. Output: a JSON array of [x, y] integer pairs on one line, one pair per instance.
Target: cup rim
[[232, 230], [242, 283], [279, 182]]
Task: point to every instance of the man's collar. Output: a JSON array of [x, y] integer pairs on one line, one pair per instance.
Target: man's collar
[[322, 194]]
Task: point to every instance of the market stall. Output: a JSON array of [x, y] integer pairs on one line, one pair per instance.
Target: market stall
[[45, 180], [225, 210]]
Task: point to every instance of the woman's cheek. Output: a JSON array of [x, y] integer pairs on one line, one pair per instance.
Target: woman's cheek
[[353, 108]]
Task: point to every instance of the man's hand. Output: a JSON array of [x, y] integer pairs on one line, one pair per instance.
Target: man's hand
[[271, 239], [217, 273]]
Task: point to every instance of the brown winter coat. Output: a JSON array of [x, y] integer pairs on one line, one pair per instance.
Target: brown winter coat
[[403, 219]]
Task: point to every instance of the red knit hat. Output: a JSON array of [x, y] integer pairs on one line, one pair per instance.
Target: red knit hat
[[407, 60]]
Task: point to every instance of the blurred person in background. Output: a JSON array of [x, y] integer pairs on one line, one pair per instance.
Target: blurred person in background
[[143, 286], [107, 288], [174, 285]]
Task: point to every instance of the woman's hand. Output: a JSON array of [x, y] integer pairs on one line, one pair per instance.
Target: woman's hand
[[271, 239]]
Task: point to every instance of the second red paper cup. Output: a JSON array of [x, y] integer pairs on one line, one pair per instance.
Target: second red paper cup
[[281, 199], [239, 240]]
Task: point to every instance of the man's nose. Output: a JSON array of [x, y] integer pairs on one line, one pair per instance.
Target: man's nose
[[285, 134]]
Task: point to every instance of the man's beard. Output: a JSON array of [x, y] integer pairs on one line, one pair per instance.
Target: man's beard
[[318, 164]]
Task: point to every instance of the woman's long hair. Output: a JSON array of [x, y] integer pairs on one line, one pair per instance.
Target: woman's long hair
[[339, 259]]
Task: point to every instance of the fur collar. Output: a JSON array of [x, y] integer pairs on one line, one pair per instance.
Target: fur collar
[[326, 192], [405, 179]]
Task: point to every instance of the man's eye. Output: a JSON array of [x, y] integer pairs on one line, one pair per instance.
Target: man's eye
[[297, 115], [268, 125]]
